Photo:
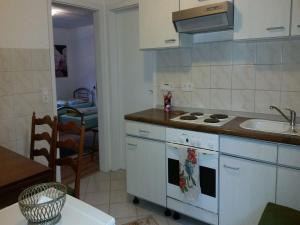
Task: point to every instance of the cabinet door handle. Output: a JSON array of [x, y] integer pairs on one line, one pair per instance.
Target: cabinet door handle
[[134, 146], [275, 28], [170, 40], [231, 168], [144, 131]]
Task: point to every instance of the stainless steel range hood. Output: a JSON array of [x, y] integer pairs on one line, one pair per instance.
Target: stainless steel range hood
[[207, 18]]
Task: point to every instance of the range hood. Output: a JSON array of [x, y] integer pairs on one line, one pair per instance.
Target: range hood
[[207, 18]]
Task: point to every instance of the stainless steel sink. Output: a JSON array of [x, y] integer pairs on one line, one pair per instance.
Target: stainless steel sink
[[269, 126]]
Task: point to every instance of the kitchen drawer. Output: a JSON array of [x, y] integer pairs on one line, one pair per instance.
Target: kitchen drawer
[[289, 155], [144, 130], [249, 148]]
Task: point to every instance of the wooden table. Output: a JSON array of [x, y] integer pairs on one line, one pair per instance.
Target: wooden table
[[18, 173]]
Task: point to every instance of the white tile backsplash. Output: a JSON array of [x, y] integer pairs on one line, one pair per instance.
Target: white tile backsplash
[[244, 53], [246, 76], [269, 52], [201, 77], [243, 77], [268, 77], [221, 53], [221, 99], [201, 98], [221, 77], [263, 99]]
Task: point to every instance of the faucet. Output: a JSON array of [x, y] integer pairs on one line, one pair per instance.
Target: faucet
[[291, 120]]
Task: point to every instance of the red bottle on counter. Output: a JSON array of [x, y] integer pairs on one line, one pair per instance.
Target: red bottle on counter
[[167, 101]]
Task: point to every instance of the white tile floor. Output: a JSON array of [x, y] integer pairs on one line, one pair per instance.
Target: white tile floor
[[107, 192]]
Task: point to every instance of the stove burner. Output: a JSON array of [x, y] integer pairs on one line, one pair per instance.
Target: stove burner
[[196, 114], [211, 120], [188, 117], [219, 116]]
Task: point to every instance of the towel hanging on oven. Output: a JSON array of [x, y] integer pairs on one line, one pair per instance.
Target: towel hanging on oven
[[189, 177]]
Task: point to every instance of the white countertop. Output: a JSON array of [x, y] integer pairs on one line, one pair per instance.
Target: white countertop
[[74, 212]]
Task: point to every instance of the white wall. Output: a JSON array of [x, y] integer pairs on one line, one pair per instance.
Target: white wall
[[81, 59], [24, 24]]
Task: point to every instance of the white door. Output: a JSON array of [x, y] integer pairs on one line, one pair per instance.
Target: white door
[[261, 18], [156, 26], [288, 186], [132, 80], [245, 189], [295, 30]]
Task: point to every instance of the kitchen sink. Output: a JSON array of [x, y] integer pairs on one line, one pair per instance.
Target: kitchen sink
[[268, 126]]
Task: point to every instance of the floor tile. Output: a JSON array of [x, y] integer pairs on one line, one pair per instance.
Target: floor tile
[[119, 197], [97, 198], [103, 208], [95, 185], [118, 185], [122, 221], [118, 175], [122, 210]]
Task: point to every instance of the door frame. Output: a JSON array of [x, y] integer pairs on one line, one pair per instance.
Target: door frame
[[102, 72]]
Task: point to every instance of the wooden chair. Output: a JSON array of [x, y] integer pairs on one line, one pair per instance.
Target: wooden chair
[[50, 138], [74, 161]]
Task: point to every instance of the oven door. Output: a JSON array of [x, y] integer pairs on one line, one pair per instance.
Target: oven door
[[208, 165]]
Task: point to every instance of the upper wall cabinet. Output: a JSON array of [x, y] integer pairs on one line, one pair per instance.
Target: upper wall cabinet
[[261, 18], [296, 18], [156, 25], [187, 4]]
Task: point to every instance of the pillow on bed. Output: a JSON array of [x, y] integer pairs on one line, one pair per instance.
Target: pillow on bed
[[61, 103]]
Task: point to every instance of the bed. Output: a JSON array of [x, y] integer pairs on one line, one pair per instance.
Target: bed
[[82, 98], [87, 116]]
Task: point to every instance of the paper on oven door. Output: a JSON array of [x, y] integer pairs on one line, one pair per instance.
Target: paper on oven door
[[189, 177]]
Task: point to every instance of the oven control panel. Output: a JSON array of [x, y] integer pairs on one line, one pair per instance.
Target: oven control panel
[[193, 139]]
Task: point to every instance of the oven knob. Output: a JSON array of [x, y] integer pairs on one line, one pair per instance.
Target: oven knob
[[187, 140]]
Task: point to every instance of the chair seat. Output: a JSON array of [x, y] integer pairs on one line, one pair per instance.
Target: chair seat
[[279, 215]]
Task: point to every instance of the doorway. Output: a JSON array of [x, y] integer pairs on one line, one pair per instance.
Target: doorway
[[76, 80]]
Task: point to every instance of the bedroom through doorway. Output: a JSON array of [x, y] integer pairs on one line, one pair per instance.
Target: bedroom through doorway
[[76, 86]]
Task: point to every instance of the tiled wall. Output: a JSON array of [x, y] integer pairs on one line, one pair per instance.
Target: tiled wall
[[238, 76], [25, 75]]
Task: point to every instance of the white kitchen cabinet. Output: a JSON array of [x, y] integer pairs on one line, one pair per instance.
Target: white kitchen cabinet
[[295, 29], [146, 169], [288, 186], [245, 189], [187, 4], [156, 26], [261, 18]]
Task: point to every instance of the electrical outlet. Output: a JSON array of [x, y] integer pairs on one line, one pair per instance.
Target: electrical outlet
[[166, 87], [187, 87]]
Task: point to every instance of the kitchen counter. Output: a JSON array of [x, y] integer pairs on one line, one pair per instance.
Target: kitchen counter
[[159, 117]]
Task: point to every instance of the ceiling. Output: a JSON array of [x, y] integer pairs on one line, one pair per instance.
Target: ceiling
[[70, 17]]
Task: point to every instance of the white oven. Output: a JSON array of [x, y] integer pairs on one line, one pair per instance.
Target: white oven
[[208, 165]]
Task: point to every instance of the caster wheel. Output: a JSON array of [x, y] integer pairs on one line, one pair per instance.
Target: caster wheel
[[176, 216], [168, 212], [136, 201]]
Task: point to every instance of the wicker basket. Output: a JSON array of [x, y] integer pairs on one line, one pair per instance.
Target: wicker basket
[[42, 203]]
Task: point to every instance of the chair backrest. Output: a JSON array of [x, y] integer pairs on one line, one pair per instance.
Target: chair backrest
[[66, 130], [50, 138]]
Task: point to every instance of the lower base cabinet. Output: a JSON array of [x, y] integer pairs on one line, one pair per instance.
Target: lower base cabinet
[[245, 189], [288, 186], [146, 169]]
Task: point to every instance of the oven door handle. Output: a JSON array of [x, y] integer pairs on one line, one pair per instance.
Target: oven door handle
[[199, 150]]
